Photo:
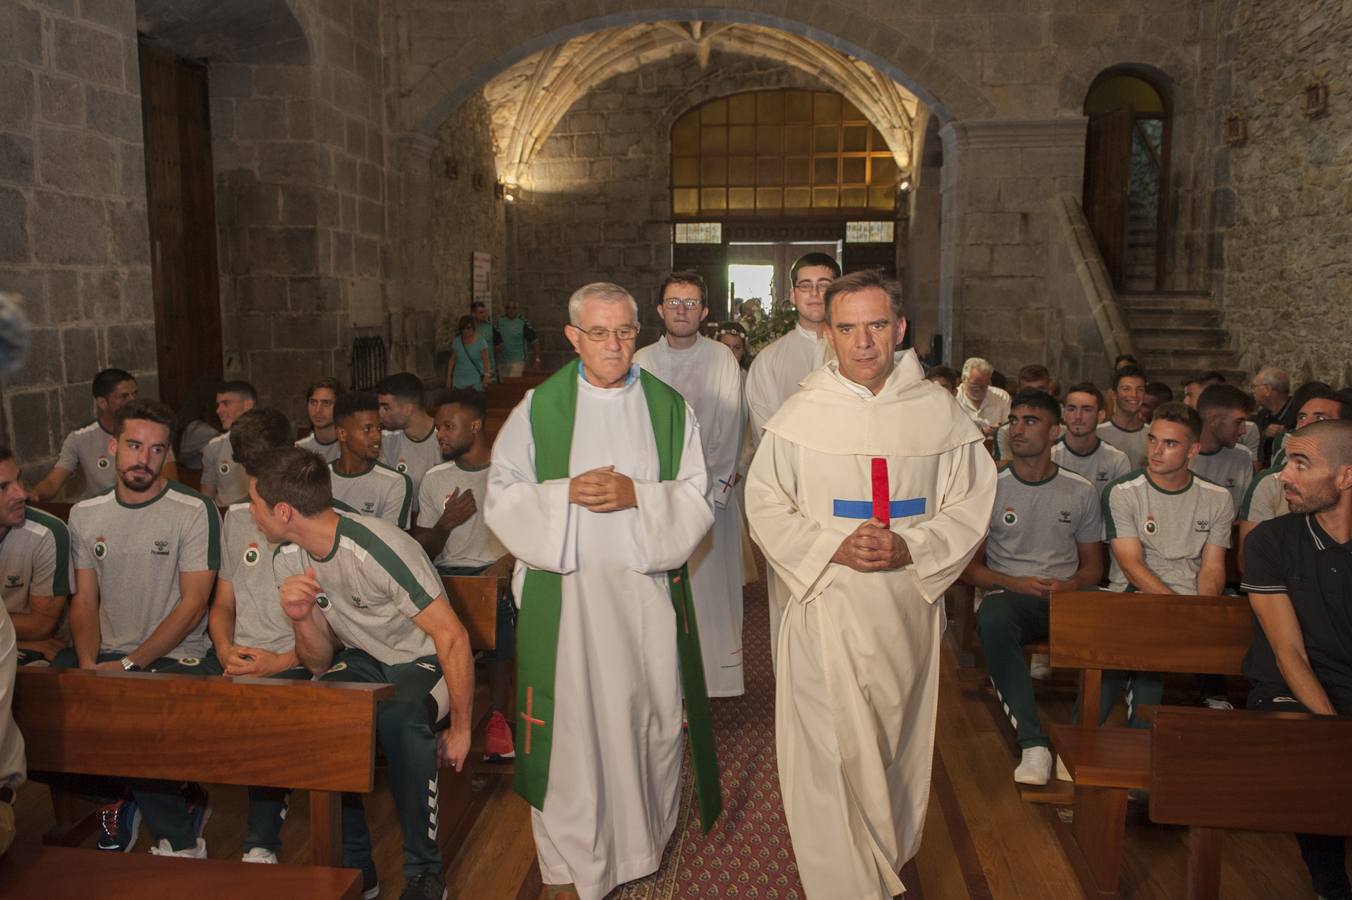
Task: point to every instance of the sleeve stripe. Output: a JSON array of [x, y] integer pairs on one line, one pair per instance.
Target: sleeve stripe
[[1262, 588]]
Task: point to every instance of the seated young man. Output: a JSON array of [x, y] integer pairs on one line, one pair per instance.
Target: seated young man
[[452, 530], [1301, 658], [1125, 428], [1222, 460], [1046, 534], [409, 443], [366, 605], [36, 570], [360, 479], [1033, 377], [146, 555], [319, 400], [1167, 533], [250, 633], [223, 479], [1080, 449]]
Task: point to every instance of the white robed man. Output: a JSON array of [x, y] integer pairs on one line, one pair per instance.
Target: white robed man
[[781, 366], [869, 494], [706, 374], [597, 485]]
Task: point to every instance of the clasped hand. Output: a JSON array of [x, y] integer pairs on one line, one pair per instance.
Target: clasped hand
[[602, 490], [873, 547]]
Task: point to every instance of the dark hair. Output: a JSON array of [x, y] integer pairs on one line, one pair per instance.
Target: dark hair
[[862, 280], [478, 304], [813, 259], [404, 386], [145, 410], [1180, 413], [106, 381], [1127, 372], [1308, 390], [257, 431], [474, 401], [1210, 376], [5, 453], [683, 277], [1161, 390], [1086, 387], [353, 402], [243, 388], [1034, 372], [1037, 399], [466, 322], [293, 476], [937, 372], [327, 383], [1224, 396], [1124, 357]]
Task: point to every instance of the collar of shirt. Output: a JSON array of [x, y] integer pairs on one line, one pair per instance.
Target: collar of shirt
[[628, 379], [810, 335]]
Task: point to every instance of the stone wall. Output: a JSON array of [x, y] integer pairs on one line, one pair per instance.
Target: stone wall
[[73, 233], [1282, 267]]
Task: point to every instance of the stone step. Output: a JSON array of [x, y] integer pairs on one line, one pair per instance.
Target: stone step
[[1134, 300], [1170, 317], [1186, 360], [1180, 338], [1176, 376]]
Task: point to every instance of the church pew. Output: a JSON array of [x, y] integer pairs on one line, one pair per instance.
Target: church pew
[[319, 736], [54, 508], [65, 872], [1093, 631], [1212, 770], [191, 478]]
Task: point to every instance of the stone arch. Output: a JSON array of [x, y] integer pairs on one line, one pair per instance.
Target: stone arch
[[430, 102], [243, 31]]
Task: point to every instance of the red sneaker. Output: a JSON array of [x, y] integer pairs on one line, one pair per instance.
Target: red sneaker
[[499, 745]]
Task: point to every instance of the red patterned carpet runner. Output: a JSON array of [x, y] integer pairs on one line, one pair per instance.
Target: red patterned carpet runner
[[747, 856]]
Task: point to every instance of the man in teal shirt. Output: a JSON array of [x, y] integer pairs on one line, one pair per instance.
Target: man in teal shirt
[[514, 337]]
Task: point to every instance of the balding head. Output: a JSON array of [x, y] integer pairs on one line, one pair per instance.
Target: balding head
[[1333, 438], [1318, 471]]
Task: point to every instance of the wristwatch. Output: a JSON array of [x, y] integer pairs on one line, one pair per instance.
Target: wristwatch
[[128, 665]]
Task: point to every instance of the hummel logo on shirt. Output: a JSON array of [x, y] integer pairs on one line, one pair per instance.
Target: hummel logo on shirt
[[161, 548], [13, 581]]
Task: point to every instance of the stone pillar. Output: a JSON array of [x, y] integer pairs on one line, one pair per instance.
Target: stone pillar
[[413, 302], [994, 240]]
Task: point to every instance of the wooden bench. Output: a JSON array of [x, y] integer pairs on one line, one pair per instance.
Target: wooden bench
[[1213, 769], [319, 736], [1094, 631]]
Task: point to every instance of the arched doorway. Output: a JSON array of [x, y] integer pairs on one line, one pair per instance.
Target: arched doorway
[[1126, 174]]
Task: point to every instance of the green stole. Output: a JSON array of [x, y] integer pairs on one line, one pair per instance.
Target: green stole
[[552, 412]]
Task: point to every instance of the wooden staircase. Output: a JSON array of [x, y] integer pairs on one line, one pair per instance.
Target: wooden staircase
[[1177, 335]]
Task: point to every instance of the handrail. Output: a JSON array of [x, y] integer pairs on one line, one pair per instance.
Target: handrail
[[1092, 274]]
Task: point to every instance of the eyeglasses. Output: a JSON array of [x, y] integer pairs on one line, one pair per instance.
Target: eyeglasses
[[623, 333], [813, 287], [677, 302]]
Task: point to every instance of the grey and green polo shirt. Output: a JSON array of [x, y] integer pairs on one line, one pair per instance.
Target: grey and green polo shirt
[[1133, 443], [1105, 464], [1035, 525], [1264, 499], [376, 491], [374, 580], [86, 450], [1230, 467], [328, 452], [1172, 526], [220, 470], [137, 551], [35, 560], [414, 458], [247, 565]]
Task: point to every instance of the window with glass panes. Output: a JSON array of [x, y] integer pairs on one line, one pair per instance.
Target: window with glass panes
[[779, 153]]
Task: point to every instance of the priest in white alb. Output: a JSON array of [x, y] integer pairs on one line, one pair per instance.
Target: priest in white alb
[[869, 493], [780, 367], [598, 488], [706, 374]]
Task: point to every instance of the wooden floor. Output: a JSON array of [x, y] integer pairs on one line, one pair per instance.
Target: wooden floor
[[982, 840]]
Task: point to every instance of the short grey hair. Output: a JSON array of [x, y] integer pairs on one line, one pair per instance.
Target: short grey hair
[[604, 291], [978, 365], [1274, 378]]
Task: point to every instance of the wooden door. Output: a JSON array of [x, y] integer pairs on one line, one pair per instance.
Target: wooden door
[[180, 197], [1107, 185], [711, 262]]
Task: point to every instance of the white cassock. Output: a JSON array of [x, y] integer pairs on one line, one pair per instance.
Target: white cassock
[[774, 377], [615, 768], [858, 671], [708, 377]]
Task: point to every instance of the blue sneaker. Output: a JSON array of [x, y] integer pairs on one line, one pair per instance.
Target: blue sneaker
[[119, 824]]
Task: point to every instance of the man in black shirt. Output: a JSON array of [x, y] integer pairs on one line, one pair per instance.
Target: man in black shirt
[[1298, 575]]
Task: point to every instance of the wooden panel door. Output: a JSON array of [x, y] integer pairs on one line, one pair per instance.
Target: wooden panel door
[[180, 198], [1107, 185]]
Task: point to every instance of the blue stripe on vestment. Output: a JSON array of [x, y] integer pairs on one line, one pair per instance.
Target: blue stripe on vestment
[[863, 509]]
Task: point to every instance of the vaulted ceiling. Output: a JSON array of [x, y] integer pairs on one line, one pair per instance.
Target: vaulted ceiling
[[530, 98]]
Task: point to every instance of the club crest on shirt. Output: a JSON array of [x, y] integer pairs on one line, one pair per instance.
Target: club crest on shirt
[[1151, 526], [225, 468], [103, 462], [323, 600], [100, 547], [1010, 517], [252, 555], [13, 581], [401, 467]]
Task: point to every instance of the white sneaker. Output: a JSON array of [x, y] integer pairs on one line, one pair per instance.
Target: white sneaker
[[1217, 703], [1035, 766], [259, 855], [164, 848], [1039, 666], [1062, 773]]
